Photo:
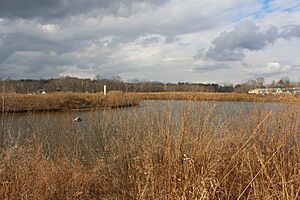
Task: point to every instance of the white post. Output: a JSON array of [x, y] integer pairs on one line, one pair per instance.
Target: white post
[[104, 89]]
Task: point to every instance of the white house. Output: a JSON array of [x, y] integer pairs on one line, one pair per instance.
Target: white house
[[275, 91]]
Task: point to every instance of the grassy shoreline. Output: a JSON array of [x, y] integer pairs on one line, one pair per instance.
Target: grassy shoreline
[[50, 102], [201, 152], [210, 96], [59, 101]]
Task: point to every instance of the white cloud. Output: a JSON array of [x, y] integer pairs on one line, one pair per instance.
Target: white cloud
[[152, 39], [272, 69], [76, 71], [50, 28]]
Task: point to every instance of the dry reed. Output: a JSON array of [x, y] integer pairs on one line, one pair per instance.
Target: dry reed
[[60, 101], [189, 151], [211, 96]]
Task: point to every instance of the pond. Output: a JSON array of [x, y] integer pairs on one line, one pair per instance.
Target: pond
[[30, 122], [108, 131]]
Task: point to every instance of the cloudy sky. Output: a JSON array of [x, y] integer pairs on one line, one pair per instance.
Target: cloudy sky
[[222, 41]]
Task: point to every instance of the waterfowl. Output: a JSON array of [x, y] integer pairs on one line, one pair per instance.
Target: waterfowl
[[77, 119]]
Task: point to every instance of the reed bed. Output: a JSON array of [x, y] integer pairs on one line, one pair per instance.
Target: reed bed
[[61, 101], [166, 151], [212, 96]]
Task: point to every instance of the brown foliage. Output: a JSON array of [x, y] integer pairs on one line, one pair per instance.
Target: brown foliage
[[210, 96], [158, 154], [61, 101]]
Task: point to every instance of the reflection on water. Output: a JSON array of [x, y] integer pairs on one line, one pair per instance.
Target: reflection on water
[[55, 121], [104, 132]]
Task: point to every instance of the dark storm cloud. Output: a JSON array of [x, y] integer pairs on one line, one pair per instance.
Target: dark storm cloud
[[75, 32], [22, 42], [46, 38], [207, 66], [230, 46], [28, 8], [49, 9]]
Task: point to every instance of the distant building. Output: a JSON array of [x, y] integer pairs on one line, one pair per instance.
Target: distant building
[[275, 91], [296, 91]]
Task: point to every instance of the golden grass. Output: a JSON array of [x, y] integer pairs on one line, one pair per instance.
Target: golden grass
[[63, 101], [210, 96], [196, 152]]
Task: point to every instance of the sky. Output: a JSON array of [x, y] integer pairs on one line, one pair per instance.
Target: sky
[[216, 41]]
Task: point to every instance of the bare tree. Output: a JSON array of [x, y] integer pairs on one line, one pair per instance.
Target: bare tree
[[260, 82], [284, 82], [116, 78]]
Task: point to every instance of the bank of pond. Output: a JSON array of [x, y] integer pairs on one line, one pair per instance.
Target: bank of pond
[[66, 101]]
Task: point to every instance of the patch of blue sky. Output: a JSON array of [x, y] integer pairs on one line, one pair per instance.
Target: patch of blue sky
[[265, 9], [266, 5], [292, 9], [255, 15], [241, 16], [266, 2]]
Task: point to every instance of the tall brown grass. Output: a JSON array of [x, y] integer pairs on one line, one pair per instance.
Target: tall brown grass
[[161, 152], [61, 101], [212, 96]]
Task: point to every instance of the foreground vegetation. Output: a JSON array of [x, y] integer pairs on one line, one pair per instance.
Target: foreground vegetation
[[191, 151]]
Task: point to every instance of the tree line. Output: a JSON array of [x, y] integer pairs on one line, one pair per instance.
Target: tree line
[[283, 82], [74, 84]]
